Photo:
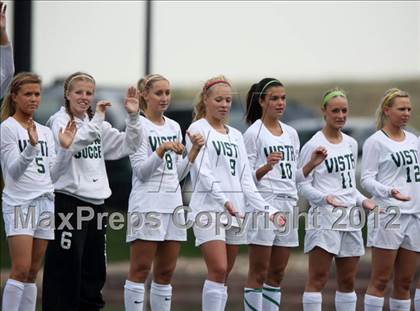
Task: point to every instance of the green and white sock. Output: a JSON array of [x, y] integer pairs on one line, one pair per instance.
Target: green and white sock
[[252, 299], [271, 298]]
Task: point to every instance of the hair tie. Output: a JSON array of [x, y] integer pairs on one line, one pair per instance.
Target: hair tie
[[268, 84], [210, 84], [82, 75], [331, 95], [390, 97]]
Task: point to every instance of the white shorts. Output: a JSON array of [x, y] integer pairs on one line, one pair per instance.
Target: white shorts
[[35, 218], [265, 233], [206, 230], [394, 232], [156, 227], [339, 243]]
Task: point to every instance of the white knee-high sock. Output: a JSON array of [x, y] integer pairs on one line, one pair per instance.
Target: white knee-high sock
[[417, 300], [160, 297], [28, 302], [399, 304], [373, 303], [12, 295], [312, 301], [133, 296], [271, 298], [224, 300], [212, 296], [252, 299], [345, 301]]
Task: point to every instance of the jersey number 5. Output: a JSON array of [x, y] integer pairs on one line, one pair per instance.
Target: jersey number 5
[[41, 167]]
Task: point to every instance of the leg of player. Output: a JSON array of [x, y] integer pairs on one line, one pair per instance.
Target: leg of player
[[404, 271], [271, 288], [259, 260], [215, 256], [319, 266], [163, 268], [382, 265], [142, 254], [345, 296], [20, 249]]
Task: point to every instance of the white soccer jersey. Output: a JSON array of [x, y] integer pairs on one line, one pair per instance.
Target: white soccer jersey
[[156, 181], [28, 170], [95, 141], [334, 176], [388, 164], [418, 147], [221, 172], [259, 143]]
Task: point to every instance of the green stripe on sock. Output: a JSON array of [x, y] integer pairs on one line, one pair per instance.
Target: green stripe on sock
[[249, 305], [277, 290], [271, 300], [254, 290]]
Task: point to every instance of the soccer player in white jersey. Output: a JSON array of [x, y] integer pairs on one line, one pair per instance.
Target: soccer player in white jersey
[[273, 149], [29, 165], [391, 173], [75, 262], [158, 166], [334, 218], [222, 185]]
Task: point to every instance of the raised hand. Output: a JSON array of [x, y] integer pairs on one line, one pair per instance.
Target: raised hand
[[274, 158], [197, 140], [32, 133], [102, 105], [331, 200], [396, 194], [131, 102], [3, 8], [4, 40], [66, 135], [318, 156]]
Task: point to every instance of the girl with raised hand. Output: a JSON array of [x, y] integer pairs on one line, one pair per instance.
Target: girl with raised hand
[[29, 165], [391, 173], [222, 185], [334, 216], [158, 166], [75, 262], [273, 149]]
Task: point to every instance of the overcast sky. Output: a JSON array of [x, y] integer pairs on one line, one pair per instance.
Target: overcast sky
[[245, 40]]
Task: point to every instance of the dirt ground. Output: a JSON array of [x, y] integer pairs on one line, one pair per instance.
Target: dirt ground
[[190, 274]]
